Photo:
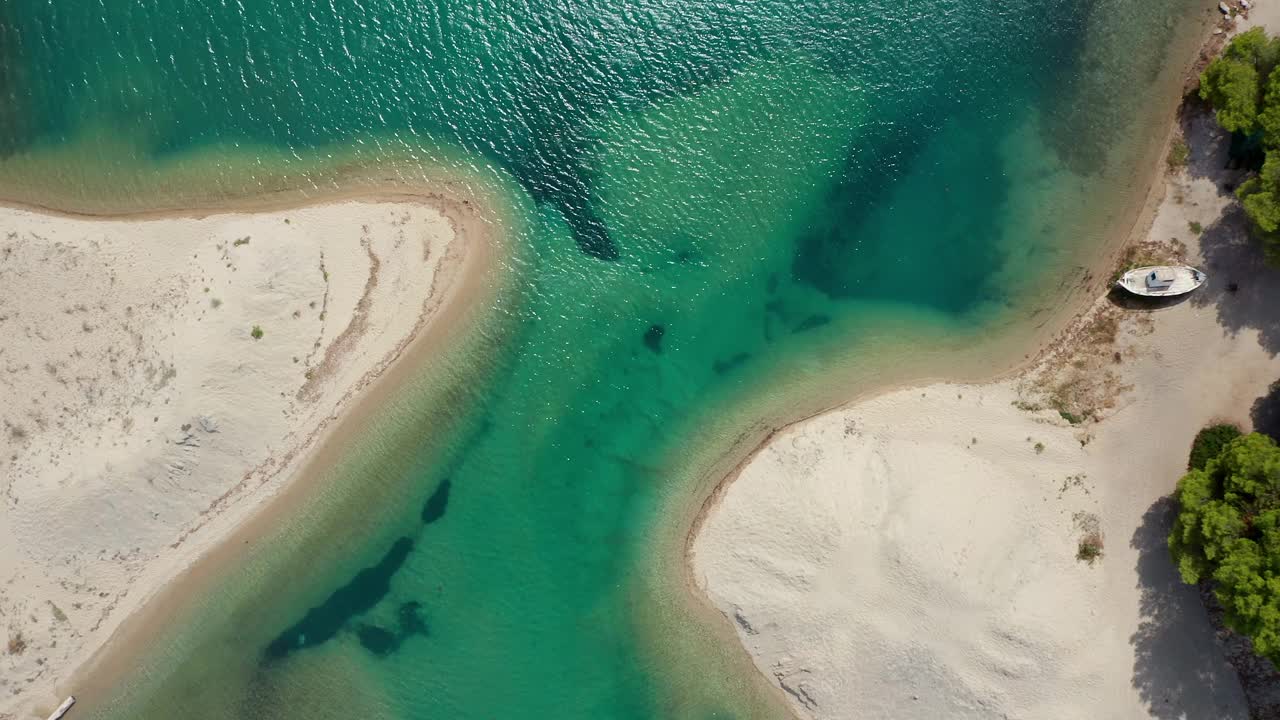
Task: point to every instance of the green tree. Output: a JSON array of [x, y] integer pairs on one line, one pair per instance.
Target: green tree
[[1254, 48], [1269, 113], [1237, 83], [1260, 196], [1228, 531], [1244, 90], [1233, 89], [1209, 443]]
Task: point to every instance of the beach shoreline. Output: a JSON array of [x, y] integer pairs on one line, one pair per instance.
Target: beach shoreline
[[1043, 340], [1032, 342], [465, 280], [722, 572]]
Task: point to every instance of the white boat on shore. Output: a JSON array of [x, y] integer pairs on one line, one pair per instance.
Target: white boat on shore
[[1162, 280]]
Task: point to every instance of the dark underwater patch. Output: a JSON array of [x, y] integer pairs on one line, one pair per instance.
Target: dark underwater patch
[[411, 618], [553, 172], [382, 642], [578, 78], [377, 640], [723, 366], [437, 503], [832, 256], [684, 257], [811, 323], [925, 243], [653, 337], [358, 596]]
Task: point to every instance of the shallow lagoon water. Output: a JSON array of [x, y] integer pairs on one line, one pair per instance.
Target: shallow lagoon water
[[717, 209]]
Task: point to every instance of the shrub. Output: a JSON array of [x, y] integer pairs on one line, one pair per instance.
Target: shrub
[[1179, 154], [1209, 444], [1195, 227], [1227, 531], [17, 643], [256, 333], [1090, 548]]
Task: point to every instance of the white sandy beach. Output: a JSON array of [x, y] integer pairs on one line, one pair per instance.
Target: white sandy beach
[[914, 555], [141, 418]]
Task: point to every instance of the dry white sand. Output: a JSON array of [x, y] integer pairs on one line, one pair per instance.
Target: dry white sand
[[914, 555], [137, 406]]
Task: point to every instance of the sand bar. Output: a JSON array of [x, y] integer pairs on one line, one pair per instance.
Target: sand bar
[[149, 420]]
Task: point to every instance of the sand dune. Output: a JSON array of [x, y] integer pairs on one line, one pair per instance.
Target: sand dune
[[141, 404]]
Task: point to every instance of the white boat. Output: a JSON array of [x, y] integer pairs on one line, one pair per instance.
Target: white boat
[[1162, 280]]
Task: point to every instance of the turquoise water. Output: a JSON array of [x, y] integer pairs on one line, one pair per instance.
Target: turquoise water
[[719, 210]]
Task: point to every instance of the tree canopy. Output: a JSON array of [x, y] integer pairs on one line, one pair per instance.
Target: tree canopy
[[1209, 443], [1228, 531], [1237, 83], [1244, 90], [1261, 198], [1234, 91]]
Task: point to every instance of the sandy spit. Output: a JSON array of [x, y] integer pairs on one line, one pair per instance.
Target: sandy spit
[[146, 420], [914, 555]]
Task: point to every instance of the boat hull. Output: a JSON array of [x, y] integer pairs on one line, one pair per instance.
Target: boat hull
[[1161, 281]]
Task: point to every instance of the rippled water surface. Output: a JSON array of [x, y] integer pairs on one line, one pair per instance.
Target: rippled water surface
[[718, 205]]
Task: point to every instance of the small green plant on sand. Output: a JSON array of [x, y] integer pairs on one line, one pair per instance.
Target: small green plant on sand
[[242, 241], [256, 333], [1195, 227], [215, 303], [1090, 548], [17, 643], [1039, 448], [1179, 154]]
